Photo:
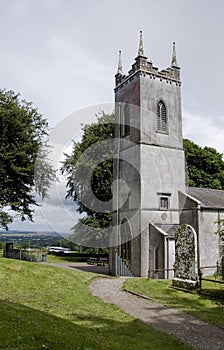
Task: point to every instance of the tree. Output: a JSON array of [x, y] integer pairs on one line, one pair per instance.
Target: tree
[[23, 134], [220, 232], [205, 166], [89, 173]]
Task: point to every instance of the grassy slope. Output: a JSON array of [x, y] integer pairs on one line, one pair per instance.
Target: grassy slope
[[63, 259], [44, 307], [193, 303]]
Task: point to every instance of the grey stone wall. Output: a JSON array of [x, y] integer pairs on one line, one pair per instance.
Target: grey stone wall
[[151, 91]]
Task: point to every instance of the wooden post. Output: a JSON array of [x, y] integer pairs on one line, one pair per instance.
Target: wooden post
[[222, 267], [200, 278]]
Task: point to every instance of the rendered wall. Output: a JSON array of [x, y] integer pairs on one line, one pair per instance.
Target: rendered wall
[[209, 242]]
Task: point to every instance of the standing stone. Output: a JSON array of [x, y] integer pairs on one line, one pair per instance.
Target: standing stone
[[185, 267]]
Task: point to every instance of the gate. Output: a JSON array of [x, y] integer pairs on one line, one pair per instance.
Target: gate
[[122, 267]]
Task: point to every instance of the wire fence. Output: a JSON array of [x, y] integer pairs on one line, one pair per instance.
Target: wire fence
[[215, 270], [218, 276], [32, 255]]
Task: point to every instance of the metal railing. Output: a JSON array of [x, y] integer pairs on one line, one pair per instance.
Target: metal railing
[[34, 255], [122, 267]]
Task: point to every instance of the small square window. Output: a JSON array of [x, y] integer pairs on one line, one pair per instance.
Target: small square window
[[164, 203]]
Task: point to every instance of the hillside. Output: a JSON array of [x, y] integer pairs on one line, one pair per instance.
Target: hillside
[[44, 307]]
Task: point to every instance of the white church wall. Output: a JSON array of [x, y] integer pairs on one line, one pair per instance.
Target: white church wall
[[160, 174], [209, 242]]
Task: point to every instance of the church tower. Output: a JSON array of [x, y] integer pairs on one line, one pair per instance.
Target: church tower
[[151, 166]]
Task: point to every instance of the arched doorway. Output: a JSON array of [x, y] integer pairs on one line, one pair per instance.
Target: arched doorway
[[125, 241]]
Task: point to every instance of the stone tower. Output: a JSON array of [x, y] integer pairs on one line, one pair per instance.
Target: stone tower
[[151, 166]]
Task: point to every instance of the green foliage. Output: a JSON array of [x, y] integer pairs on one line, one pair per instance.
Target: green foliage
[[45, 307], [220, 232], [89, 170], [22, 132], [205, 166], [44, 173]]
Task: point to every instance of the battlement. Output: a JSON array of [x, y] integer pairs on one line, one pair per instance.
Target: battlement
[[171, 75], [144, 67]]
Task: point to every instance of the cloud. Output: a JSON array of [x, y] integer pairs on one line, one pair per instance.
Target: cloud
[[62, 55], [50, 216], [55, 213], [204, 130]]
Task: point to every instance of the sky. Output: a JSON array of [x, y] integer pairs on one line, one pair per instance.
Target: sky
[[62, 55]]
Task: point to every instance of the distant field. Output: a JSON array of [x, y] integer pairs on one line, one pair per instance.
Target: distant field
[[37, 239], [45, 307]]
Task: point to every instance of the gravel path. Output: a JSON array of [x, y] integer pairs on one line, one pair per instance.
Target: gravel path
[[188, 329]]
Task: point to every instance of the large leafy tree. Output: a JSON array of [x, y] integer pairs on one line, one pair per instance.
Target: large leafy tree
[[89, 173], [220, 232], [23, 134], [205, 166]]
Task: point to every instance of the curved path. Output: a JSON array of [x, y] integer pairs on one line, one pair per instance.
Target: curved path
[[188, 329], [101, 270]]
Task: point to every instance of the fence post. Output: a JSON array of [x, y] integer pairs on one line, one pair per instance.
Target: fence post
[[222, 267], [217, 268], [200, 278], [115, 254]]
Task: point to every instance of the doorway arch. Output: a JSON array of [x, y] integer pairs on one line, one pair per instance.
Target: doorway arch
[[125, 241]]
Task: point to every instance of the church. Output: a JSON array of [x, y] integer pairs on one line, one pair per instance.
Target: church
[[151, 197]]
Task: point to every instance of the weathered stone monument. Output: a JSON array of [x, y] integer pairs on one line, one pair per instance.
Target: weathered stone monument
[[186, 266]]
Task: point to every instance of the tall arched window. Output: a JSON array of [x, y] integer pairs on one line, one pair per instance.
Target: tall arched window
[[125, 127], [161, 117], [127, 119]]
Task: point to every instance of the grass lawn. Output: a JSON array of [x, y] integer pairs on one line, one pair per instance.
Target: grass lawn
[[63, 259], [194, 303], [45, 307]]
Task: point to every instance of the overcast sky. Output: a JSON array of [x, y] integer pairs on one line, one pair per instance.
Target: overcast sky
[[62, 55]]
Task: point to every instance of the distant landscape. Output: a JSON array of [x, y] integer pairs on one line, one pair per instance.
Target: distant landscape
[[44, 239], [31, 238]]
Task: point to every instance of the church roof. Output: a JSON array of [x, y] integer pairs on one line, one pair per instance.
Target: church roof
[[170, 229], [208, 198]]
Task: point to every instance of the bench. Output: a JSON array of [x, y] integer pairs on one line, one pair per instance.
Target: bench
[[97, 261], [91, 261], [102, 261]]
